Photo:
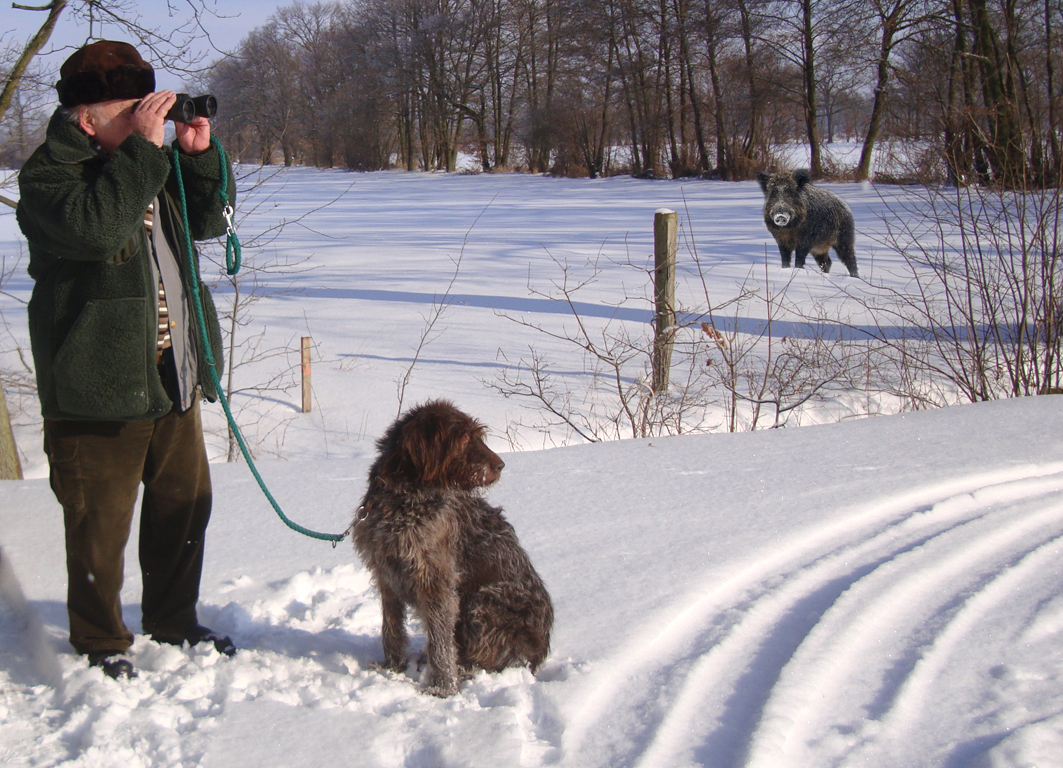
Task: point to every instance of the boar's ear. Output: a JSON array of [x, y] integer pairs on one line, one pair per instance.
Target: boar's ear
[[802, 177], [762, 179]]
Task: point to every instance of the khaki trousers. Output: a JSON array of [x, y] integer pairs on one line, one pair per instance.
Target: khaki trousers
[[96, 468]]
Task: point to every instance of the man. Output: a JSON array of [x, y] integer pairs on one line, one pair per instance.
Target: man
[[118, 355]]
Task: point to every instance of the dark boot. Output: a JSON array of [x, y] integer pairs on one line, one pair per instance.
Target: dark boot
[[114, 665], [199, 634]]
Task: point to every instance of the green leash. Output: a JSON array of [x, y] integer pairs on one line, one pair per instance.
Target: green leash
[[232, 266]]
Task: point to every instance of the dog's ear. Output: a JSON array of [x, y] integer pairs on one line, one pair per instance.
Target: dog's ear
[[446, 455], [425, 447], [422, 440], [395, 464]]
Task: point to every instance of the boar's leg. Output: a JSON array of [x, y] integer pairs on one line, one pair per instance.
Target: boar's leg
[[785, 253], [846, 250]]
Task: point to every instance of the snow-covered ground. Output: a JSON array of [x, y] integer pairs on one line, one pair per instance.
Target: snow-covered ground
[[361, 262], [874, 592]]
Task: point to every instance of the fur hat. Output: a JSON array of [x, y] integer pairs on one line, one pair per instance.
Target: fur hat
[[104, 71]]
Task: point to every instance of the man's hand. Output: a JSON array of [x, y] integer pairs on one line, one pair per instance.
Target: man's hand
[[194, 137], [149, 116]]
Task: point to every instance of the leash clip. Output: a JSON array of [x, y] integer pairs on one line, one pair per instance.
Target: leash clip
[[228, 212], [359, 515]]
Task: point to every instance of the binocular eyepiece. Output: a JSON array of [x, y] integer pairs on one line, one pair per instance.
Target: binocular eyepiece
[[188, 108]]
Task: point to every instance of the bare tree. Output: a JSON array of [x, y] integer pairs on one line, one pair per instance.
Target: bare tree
[[985, 309], [895, 21], [800, 28], [260, 88], [21, 64]]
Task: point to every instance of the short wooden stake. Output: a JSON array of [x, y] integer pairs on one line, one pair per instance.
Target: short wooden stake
[[665, 237], [306, 374], [10, 466]]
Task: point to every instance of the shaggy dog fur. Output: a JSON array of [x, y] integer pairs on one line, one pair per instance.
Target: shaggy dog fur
[[432, 543]]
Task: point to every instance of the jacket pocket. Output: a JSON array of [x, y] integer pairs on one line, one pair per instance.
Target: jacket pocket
[[100, 369]]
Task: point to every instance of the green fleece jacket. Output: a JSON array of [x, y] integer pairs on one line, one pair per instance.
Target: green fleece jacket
[[93, 314]]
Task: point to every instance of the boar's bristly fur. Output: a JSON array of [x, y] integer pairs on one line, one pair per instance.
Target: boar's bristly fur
[[805, 219]]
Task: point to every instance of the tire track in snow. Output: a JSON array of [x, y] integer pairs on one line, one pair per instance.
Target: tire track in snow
[[901, 720], [916, 608], [693, 684]]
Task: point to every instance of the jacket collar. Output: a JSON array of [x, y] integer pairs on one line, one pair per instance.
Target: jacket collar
[[67, 143]]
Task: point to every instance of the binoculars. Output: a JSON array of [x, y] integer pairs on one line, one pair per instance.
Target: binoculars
[[188, 108]]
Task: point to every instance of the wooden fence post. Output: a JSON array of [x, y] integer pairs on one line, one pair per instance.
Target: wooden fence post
[[665, 236], [307, 401], [10, 466]]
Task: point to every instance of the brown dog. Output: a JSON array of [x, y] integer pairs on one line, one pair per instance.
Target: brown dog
[[433, 543]]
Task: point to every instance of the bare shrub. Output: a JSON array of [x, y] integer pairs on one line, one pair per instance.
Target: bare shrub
[[982, 312], [618, 399], [728, 371]]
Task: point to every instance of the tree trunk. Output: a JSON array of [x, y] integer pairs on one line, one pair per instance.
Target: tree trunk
[[809, 69], [863, 168], [723, 163], [749, 144], [688, 67], [1005, 150], [1053, 115], [32, 48]]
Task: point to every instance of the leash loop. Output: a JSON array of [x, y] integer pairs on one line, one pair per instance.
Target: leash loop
[[232, 265], [233, 250]]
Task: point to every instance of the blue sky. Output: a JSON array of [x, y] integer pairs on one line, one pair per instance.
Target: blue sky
[[237, 19]]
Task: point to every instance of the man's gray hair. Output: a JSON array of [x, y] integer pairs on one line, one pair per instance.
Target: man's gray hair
[[72, 114]]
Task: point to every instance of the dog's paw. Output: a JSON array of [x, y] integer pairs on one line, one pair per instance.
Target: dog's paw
[[441, 690], [440, 683], [466, 673], [387, 666]]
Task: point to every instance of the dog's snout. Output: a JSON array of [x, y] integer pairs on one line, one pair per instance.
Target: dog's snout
[[491, 468]]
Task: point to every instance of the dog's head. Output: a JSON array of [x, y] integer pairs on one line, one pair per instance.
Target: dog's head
[[435, 445]]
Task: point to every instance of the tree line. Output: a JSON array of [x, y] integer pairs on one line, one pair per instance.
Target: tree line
[[967, 91], [662, 88]]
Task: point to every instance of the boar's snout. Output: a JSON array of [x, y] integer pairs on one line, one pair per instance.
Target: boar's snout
[[781, 218]]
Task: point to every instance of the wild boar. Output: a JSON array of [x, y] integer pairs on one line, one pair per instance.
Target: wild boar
[[805, 219]]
